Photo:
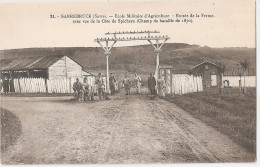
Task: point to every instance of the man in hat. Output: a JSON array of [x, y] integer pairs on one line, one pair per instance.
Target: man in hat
[[152, 84], [126, 83], [6, 84], [101, 87], [161, 87], [112, 82], [137, 81], [77, 88], [86, 89]]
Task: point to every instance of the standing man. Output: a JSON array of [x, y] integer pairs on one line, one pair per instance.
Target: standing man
[[137, 81], [161, 87], [1, 85], [152, 84], [6, 84], [77, 88], [101, 87], [126, 83], [112, 82], [11, 82], [86, 89]]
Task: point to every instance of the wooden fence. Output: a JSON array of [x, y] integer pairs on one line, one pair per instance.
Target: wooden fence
[[53, 85], [184, 83], [181, 83], [175, 84]]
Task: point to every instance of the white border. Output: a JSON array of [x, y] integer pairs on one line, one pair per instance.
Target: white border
[[257, 164]]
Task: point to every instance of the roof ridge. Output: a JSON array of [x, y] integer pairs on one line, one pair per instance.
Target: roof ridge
[[206, 62]]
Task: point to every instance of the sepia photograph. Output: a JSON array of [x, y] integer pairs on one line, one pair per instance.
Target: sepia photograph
[[112, 82]]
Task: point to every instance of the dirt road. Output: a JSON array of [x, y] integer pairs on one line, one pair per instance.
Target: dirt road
[[125, 129]]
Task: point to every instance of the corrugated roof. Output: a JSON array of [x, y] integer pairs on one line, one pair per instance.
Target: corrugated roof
[[27, 63]]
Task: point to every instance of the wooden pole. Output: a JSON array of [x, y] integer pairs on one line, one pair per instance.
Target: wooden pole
[[46, 85], [158, 62], [107, 74], [66, 72], [19, 85], [171, 81]]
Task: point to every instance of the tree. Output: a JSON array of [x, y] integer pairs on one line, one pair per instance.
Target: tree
[[245, 65]]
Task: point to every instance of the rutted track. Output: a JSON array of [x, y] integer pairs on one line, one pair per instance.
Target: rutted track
[[125, 129]]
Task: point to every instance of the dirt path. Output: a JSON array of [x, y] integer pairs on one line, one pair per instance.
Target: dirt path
[[125, 129]]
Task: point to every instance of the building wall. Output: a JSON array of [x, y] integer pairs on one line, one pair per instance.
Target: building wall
[[206, 73], [65, 67]]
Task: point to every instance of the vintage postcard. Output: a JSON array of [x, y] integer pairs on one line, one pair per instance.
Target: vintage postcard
[[154, 82]]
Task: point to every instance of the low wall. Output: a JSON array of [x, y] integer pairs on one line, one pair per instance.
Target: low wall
[[234, 80]]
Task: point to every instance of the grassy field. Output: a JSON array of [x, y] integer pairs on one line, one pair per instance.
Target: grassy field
[[230, 113], [10, 129]]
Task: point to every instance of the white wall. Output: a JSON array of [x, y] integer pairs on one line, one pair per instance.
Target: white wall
[[65, 67], [234, 81]]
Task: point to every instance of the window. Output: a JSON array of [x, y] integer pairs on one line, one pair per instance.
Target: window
[[206, 67]]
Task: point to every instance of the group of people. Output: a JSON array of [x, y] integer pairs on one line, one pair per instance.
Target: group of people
[[158, 86], [84, 91], [155, 87], [137, 83], [7, 84]]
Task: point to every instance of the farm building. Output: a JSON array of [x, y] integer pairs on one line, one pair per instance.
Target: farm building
[[47, 67], [209, 73]]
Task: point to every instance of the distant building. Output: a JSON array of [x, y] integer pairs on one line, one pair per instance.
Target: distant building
[[52, 66], [209, 73]]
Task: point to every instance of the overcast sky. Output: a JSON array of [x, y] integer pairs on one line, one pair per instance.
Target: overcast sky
[[28, 25]]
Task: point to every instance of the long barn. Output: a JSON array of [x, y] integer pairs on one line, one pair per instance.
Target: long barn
[[53, 66]]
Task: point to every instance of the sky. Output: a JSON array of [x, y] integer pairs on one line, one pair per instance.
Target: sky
[[28, 24]]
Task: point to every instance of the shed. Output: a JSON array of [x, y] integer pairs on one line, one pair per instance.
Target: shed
[[51, 66], [209, 72]]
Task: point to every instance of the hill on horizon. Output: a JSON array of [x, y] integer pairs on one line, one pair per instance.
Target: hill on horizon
[[141, 58]]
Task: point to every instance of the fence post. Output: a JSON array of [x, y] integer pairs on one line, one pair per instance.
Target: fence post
[[69, 85], [19, 85], [46, 85]]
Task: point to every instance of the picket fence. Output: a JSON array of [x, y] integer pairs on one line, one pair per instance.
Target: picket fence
[[180, 83], [184, 83], [53, 85]]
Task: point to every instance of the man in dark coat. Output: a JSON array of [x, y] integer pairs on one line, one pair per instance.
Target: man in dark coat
[[6, 84], [127, 84], [78, 89], [112, 82], [11, 82], [152, 84], [101, 88]]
